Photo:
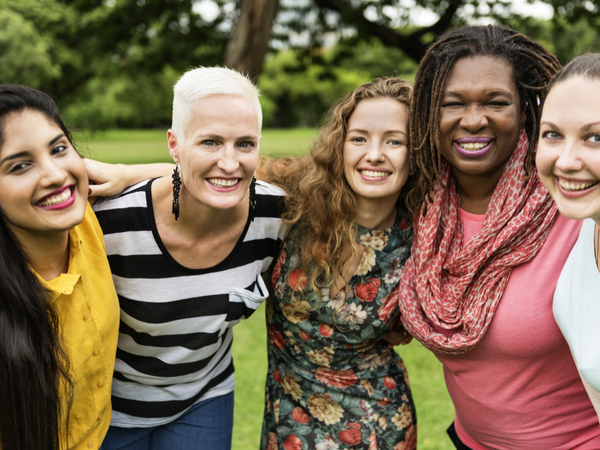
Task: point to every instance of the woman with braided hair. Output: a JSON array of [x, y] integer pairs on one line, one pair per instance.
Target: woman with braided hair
[[489, 246]]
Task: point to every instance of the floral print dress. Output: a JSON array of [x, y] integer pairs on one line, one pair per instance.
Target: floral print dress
[[333, 383]]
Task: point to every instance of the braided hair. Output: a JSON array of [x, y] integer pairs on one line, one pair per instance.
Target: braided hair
[[532, 67]]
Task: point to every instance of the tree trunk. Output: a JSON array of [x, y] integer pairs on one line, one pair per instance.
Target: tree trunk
[[249, 41]]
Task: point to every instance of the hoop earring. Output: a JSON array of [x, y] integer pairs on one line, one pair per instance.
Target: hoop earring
[[252, 210], [176, 189]]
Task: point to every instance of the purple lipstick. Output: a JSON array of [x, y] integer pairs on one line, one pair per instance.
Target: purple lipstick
[[473, 147]]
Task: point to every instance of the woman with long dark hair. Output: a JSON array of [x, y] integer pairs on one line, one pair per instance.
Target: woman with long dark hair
[[58, 307]]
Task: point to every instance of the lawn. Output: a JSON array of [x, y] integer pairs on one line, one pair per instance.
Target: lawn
[[434, 409], [146, 146]]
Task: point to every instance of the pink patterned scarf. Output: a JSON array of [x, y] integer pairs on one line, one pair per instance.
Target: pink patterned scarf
[[458, 288]]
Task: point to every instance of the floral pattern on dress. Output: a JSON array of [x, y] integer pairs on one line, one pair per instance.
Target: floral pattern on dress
[[333, 383]]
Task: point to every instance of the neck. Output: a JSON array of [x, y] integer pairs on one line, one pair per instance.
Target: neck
[[476, 191], [196, 218], [376, 215], [48, 254]]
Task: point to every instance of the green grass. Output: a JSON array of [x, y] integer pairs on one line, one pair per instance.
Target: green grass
[[434, 408], [148, 146]]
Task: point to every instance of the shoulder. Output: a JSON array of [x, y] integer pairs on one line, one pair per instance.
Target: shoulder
[[264, 188], [89, 231], [132, 196], [269, 200]]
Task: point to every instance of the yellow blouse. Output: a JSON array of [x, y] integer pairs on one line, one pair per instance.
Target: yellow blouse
[[88, 310]]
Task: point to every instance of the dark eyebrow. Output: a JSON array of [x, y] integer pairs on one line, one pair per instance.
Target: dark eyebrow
[[585, 127], [358, 130], [60, 136], [28, 153], [491, 93], [590, 125], [15, 156]]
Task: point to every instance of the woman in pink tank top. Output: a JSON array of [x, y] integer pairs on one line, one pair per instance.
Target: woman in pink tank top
[[490, 245]]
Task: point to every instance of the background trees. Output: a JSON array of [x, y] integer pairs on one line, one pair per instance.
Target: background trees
[[113, 62]]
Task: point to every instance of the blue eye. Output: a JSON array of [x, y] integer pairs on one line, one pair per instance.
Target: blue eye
[[552, 135], [594, 138]]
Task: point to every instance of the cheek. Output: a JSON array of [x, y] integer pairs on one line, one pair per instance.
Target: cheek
[[249, 162], [592, 161], [545, 158]]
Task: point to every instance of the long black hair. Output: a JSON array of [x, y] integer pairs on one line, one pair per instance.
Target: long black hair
[[35, 388]]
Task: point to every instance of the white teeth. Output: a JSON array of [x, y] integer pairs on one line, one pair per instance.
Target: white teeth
[[373, 174], [569, 186], [56, 199], [474, 146], [220, 182]]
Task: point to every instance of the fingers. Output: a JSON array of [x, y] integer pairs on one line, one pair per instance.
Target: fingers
[[394, 338], [103, 190]]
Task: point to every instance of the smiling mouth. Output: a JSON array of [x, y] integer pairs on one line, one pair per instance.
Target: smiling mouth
[[58, 198], [572, 186], [374, 174], [220, 182], [473, 146]]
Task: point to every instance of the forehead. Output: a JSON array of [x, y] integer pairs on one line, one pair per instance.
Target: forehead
[[576, 99], [27, 128], [481, 74], [217, 114], [380, 112]]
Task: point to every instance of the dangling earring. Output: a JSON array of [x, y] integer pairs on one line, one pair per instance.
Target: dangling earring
[[176, 189], [252, 210]]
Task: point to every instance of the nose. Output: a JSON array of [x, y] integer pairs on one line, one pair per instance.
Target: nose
[[52, 173], [474, 118], [569, 157], [375, 152], [228, 162]]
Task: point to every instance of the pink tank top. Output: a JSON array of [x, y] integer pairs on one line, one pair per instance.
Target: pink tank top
[[519, 389]]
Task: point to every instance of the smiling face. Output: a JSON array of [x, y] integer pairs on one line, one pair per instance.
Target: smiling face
[[568, 155], [375, 150], [480, 117], [43, 183], [219, 153]]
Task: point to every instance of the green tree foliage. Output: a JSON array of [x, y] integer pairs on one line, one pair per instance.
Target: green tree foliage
[[25, 57], [113, 62], [296, 91]]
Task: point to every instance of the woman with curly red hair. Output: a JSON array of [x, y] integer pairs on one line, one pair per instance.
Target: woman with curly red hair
[[333, 380]]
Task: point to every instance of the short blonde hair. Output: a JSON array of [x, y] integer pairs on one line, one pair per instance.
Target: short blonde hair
[[202, 82]]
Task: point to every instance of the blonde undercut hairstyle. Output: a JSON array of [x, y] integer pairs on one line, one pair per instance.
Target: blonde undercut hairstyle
[[203, 82]]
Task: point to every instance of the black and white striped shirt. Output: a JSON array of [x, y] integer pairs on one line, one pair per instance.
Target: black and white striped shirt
[[176, 323]]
